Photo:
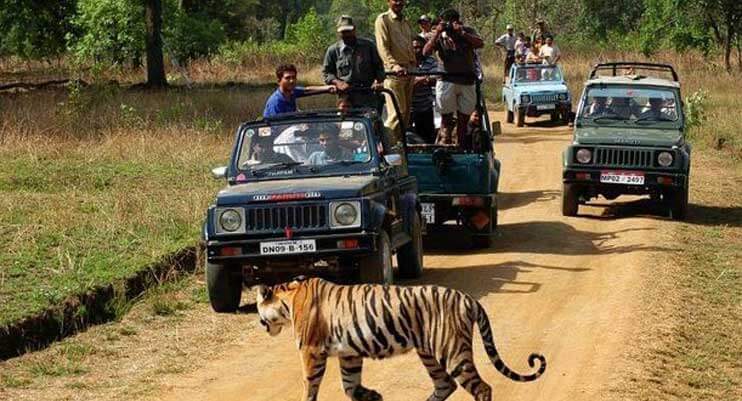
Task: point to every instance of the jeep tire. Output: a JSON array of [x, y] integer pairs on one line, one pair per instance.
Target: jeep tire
[[224, 284], [570, 200], [554, 117], [377, 267], [509, 117], [678, 203], [410, 256], [520, 118]]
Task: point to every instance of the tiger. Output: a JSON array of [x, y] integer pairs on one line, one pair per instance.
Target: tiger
[[353, 322]]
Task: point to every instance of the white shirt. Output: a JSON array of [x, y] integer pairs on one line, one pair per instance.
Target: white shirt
[[506, 40], [549, 53]]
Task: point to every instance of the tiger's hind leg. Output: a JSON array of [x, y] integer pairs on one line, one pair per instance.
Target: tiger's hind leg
[[314, 363], [350, 369], [444, 384], [466, 374]]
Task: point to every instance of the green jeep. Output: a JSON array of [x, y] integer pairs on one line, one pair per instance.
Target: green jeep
[[628, 139]]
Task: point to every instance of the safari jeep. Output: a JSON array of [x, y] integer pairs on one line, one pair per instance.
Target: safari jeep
[[533, 90], [458, 187], [314, 193], [628, 139]]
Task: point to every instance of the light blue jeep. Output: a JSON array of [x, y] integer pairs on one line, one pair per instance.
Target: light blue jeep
[[534, 90]]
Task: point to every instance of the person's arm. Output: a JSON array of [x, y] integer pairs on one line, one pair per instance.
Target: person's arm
[[378, 65], [383, 43], [469, 35], [557, 54], [300, 91], [500, 41], [329, 66], [430, 46]]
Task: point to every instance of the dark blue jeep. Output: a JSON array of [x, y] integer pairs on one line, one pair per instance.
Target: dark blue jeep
[[314, 193]]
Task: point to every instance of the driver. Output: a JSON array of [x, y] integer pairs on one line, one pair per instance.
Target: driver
[[621, 107], [598, 107], [262, 152], [330, 151], [656, 111]]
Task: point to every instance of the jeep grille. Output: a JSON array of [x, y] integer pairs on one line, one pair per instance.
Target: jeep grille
[[623, 157], [277, 218], [544, 98]]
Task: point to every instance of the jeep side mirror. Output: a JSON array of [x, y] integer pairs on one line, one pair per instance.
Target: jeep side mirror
[[393, 159], [496, 130], [219, 172]]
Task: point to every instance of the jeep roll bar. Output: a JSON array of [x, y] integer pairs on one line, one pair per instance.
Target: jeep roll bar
[[630, 66]]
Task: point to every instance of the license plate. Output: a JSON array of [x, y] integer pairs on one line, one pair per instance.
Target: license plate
[[428, 212], [622, 177], [288, 247], [545, 107]]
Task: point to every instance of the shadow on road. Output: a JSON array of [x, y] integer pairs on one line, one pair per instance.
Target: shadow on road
[[512, 200], [479, 281], [528, 139], [541, 237], [715, 215]]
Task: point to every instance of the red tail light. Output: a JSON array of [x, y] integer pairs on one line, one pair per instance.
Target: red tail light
[[231, 251], [468, 201], [348, 244]]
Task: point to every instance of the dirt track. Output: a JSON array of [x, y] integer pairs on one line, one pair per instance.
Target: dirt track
[[564, 287]]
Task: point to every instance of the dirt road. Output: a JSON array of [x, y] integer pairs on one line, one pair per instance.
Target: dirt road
[[564, 287]]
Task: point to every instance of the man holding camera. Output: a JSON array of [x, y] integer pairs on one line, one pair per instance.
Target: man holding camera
[[456, 90]]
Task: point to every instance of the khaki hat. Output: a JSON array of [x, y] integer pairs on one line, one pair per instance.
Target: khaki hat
[[540, 21], [345, 23], [509, 27], [424, 18]]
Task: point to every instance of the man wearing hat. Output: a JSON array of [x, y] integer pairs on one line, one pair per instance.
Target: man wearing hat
[[354, 62], [426, 26], [507, 42], [540, 32]]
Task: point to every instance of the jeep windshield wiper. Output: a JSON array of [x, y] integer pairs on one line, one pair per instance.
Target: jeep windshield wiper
[[652, 119], [270, 166]]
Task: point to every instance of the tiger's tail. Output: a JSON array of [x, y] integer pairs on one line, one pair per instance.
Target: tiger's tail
[[489, 345]]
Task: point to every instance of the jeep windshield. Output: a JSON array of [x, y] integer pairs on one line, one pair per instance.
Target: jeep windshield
[[324, 147], [538, 73], [624, 105]]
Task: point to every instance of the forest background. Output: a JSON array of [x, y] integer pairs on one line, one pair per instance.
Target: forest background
[[103, 36]]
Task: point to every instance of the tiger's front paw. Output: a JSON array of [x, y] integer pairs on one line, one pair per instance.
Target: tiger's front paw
[[364, 394]]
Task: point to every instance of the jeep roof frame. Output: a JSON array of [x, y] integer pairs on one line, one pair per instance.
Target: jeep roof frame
[[632, 65]]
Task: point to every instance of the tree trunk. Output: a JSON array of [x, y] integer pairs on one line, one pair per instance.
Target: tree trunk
[[728, 47], [155, 63]]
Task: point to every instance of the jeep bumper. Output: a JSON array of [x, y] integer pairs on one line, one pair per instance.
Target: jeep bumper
[[535, 110], [475, 213], [654, 181]]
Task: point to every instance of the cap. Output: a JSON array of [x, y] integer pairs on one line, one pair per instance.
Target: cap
[[540, 21], [509, 27], [345, 23], [424, 18]]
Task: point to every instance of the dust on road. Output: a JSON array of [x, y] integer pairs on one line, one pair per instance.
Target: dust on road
[[564, 287]]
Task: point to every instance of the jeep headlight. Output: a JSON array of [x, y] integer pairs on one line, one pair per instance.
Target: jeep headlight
[[584, 155], [230, 220], [525, 99], [345, 214], [563, 96], [664, 159]]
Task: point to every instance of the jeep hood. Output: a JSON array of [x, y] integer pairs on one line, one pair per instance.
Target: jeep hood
[[304, 188], [628, 136], [535, 88]]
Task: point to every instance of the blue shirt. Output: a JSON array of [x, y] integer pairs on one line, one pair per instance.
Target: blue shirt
[[277, 102]]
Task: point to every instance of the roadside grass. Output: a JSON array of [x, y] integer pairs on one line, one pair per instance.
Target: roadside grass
[[691, 345], [98, 183]]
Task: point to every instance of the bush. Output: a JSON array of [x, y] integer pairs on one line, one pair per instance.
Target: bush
[[188, 37], [112, 31]]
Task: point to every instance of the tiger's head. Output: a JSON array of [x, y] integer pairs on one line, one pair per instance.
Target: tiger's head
[[274, 305]]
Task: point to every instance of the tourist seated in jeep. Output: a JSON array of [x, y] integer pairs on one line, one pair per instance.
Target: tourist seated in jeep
[[330, 151]]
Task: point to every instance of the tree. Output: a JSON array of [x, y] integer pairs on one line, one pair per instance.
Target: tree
[[155, 64], [35, 29]]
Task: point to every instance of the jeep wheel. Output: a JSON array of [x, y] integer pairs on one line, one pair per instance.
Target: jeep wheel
[[679, 204], [569, 200], [554, 116], [377, 268], [481, 241], [224, 284], [410, 256], [520, 118], [509, 117]]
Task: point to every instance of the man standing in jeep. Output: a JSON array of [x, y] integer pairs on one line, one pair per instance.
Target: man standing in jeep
[[354, 62], [455, 93], [283, 100]]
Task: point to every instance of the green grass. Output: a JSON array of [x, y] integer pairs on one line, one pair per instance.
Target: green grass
[[98, 183]]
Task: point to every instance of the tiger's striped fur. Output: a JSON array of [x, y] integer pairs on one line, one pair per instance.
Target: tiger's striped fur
[[354, 322]]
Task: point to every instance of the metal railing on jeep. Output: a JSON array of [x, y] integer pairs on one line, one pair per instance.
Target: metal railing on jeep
[[631, 66]]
